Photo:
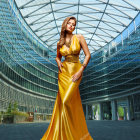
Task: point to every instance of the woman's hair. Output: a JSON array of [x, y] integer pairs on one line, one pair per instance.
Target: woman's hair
[[63, 30]]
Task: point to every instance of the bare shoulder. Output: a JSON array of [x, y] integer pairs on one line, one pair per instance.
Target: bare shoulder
[[58, 45], [57, 42], [80, 37]]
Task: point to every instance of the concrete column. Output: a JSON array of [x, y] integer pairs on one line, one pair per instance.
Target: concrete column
[[114, 109], [93, 112], [125, 118], [128, 109], [101, 111], [86, 111]]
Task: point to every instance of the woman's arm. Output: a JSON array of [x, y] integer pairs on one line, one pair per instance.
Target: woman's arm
[[86, 52], [58, 58], [84, 46]]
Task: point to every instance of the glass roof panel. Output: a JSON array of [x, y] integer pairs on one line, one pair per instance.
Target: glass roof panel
[[100, 21]]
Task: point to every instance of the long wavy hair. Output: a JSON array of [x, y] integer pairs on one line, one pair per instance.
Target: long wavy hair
[[63, 30]]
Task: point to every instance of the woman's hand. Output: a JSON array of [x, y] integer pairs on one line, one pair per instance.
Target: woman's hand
[[77, 75]]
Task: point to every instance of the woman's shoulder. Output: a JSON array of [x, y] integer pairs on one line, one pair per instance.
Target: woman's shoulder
[[79, 36], [58, 45]]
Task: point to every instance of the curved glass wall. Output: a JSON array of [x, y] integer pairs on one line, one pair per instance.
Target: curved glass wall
[[114, 71], [112, 78], [26, 102], [24, 60]]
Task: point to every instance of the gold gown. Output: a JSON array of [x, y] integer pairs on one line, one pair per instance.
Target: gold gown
[[68, 120]]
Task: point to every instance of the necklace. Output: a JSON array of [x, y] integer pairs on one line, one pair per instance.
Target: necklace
[[69, 43]]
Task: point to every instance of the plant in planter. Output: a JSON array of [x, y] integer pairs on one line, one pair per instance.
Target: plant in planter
[[9, 108], [12, 114], [15, 106], [95, 110], [18, 115], [121, 113], [8, 117]]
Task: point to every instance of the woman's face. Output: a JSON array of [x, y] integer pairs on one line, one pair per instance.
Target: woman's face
[[70, 26]]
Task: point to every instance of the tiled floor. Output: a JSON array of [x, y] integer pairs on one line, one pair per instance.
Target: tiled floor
[[99, 130]]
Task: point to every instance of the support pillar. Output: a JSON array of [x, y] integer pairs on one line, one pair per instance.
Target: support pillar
[[93, 112], [101, 111], [114, 110], [86, 111], [128, 109], [125, 118]]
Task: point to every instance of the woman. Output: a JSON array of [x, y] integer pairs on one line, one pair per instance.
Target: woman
[[68, 120]]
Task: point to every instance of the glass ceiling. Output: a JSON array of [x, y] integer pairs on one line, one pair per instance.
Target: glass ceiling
[[100, 21]]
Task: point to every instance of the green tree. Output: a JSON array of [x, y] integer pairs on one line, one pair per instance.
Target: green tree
[[95, 109], [120, 111], [9, 109], [15, 106]]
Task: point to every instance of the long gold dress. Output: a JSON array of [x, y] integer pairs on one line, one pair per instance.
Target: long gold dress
[[68, 120]]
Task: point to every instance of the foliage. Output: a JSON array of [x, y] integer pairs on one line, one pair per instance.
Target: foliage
[[95, 109], [120, 111], [20, 113], [15, 106], [12, 113], [9, 109], [13, 110]]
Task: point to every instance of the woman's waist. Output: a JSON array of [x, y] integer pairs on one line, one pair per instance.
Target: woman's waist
[[71, 65], [72, 58]]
